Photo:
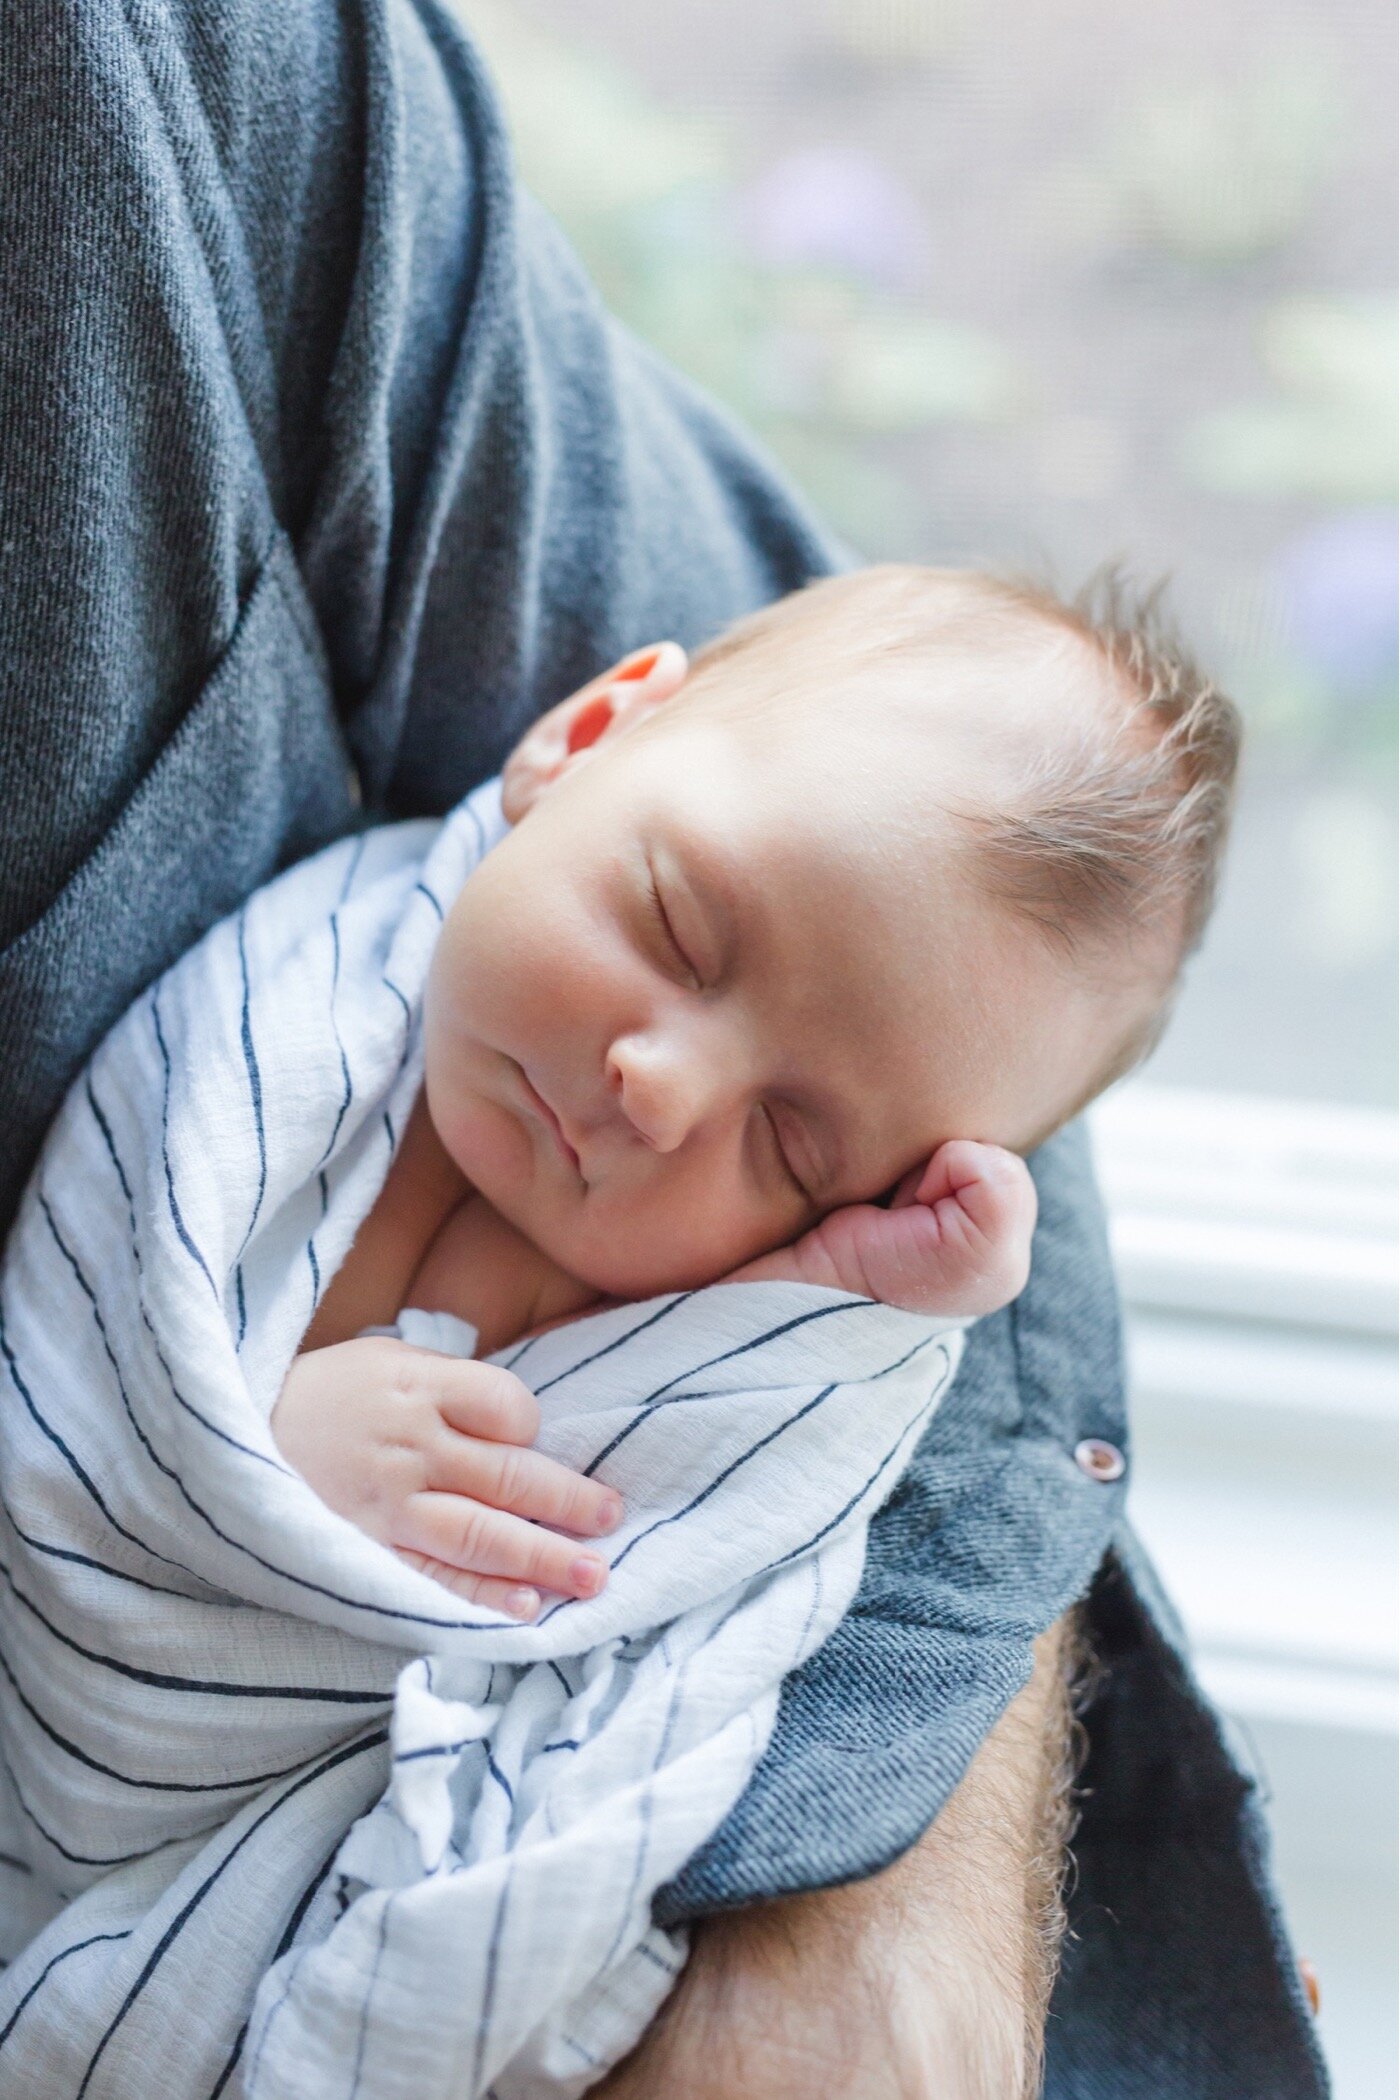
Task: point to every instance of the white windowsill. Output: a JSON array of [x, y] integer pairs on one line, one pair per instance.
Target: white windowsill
[[1256, 1248], [1255, 1243]]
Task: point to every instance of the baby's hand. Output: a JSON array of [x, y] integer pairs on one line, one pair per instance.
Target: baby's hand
[[431, 1455], [956, 1238]]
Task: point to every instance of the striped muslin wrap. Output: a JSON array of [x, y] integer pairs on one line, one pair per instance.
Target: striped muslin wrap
[[278, 1815]]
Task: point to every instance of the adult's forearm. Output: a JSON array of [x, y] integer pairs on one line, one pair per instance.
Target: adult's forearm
[[931, 1977]]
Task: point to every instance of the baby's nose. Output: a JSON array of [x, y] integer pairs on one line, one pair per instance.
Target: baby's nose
[[662, 1092]]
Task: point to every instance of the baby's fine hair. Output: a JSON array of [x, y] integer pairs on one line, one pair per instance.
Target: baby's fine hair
[[1112, 839]]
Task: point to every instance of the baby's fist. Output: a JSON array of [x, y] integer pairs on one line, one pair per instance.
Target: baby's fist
[[982, 1202], [955, 1240]]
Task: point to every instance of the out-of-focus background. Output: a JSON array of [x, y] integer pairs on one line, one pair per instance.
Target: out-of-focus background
[[1038, 283]]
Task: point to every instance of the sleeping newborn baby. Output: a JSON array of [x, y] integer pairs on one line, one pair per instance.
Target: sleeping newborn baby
[[768, 968], [789, 956]]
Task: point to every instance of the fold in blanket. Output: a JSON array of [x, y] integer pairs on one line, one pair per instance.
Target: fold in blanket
[[279, 1815]]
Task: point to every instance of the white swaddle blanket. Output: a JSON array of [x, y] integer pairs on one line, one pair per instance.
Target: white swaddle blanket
[[279, 1816]]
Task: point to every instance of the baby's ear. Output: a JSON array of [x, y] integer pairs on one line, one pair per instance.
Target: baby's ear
[[607, 704]]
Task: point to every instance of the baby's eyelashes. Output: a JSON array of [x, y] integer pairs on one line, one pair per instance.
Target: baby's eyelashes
[[780, 1150]]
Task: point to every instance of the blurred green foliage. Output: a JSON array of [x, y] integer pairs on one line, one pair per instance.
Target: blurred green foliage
[[791, 283], [819, 359], [1328, 427], [1219, 171]]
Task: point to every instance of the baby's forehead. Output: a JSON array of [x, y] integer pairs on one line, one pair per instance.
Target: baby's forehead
[[980, 683]]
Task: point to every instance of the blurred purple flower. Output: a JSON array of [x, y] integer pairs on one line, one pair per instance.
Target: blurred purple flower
[[838, 207], [1338, 582]]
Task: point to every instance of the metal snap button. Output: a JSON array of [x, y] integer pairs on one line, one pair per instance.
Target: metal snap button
[[1099, 1459]]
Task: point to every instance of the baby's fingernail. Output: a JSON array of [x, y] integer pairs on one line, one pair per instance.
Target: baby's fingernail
[[588, 1574], [523, 1604], [610, 1513]]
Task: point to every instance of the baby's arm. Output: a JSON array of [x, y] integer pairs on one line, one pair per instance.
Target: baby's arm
[[956, 1238]]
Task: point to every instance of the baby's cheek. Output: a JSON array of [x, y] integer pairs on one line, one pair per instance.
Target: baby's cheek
[[483, 1142]]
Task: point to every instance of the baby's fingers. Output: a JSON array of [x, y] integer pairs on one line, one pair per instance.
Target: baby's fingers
[[991, 1186], [485, 1400], [516, 1600], [473, 1540], [524, 1483]]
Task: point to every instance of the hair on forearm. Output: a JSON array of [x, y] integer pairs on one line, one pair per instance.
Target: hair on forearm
[[932, 1978], [1051, 1867], [992, 1892]]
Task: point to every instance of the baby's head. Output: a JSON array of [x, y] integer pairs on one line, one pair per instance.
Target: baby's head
[[911, 855]]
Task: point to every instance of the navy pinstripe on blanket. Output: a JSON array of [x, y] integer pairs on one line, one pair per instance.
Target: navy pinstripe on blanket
[[281, 1816]]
